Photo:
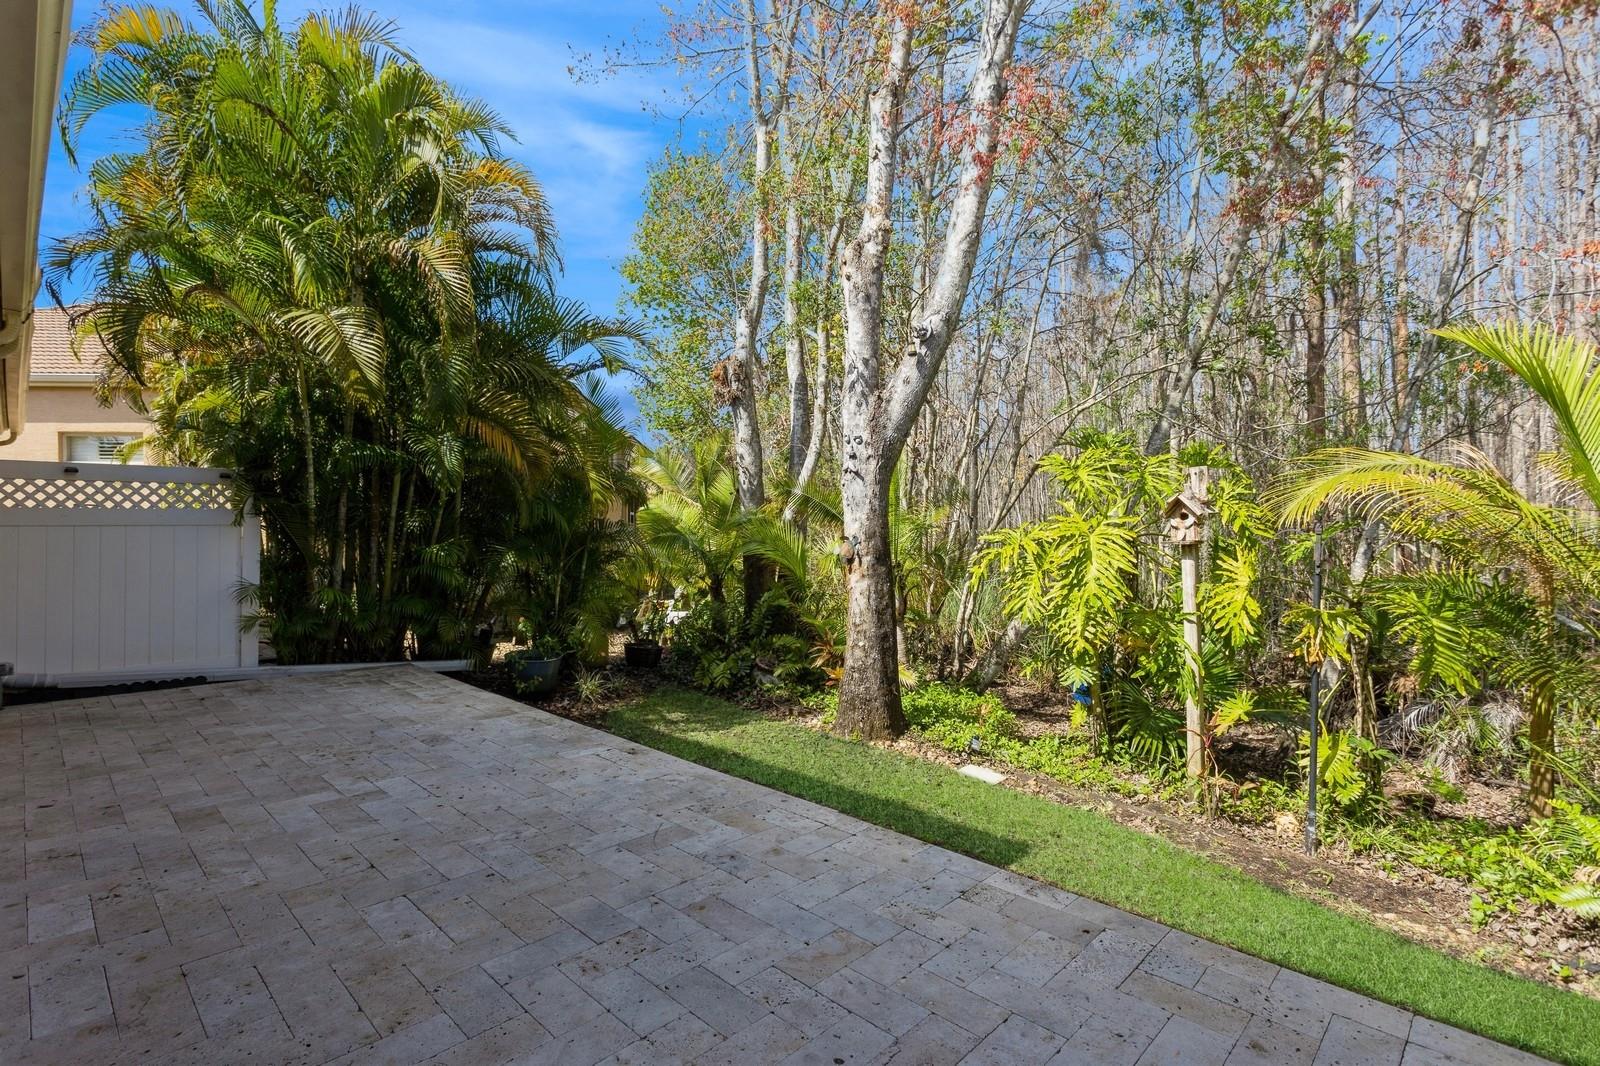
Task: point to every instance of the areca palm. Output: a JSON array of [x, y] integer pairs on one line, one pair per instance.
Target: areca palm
[[699, 535], [1471, 511], [692, 522], [334, 282]]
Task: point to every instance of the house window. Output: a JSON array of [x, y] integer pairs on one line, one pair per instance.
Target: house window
[[99, 447]]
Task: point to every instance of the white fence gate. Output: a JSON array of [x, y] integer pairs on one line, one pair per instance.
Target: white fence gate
[[122, 571]]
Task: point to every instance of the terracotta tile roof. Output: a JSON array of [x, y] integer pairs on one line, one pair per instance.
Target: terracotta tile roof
[[52, 347]]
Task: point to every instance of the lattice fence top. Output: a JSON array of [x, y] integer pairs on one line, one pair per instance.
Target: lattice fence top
[[93, 494]]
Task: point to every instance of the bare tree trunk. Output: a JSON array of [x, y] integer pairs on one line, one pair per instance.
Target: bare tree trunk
[[819, 404], [1289, 118], [988, 668], [748, 461], [1346, 289], [794, 348], [1316, 304], [1540, 703], [1002, 513], [747, 457], [1588, 177], [878, 414], [1400, 354], [869, 692], [816, 424], [1512, 456], [1452, 267]]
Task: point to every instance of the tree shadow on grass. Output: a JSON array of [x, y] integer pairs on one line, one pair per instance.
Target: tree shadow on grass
[[661, 724]]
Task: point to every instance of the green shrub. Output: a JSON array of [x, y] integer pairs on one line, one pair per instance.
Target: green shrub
[[827, 702], [953, 717], [1068, 759], [789, 659], [1541, 861], [1258, 802], [1349, 768]]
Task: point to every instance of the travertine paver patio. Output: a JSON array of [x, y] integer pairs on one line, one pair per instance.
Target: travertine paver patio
[[389, 866]]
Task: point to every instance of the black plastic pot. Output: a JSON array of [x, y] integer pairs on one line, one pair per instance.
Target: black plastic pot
[[541, 675], [642, 654]]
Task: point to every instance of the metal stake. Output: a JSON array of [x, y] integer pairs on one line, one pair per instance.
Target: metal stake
[[1313, 696]]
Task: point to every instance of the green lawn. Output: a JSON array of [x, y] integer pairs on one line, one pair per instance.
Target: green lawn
[[1086, 853]]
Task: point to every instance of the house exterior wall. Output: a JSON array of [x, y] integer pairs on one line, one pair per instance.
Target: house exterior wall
[[56, 410]]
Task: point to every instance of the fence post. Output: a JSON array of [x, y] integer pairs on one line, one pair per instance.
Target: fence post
[[249, 574]]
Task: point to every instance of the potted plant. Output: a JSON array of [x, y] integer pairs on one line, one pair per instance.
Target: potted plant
[[649, 622], [537, 668]]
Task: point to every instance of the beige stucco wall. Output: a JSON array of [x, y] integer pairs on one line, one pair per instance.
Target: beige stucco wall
[[54, 410]]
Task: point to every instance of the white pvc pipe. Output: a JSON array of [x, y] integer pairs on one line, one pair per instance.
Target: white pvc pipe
[[98, 678]]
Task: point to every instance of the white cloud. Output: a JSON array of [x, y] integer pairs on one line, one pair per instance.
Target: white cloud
[[487, 55], [589, 141]]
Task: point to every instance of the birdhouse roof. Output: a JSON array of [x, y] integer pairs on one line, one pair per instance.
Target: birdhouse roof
[[1186, 501]]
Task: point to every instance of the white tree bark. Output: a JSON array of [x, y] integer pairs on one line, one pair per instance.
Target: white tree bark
[[819, 395], [879, 409], [748, 461], [1347, 289], [794, 347]]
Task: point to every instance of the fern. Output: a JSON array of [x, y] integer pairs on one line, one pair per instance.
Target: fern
[[1584, 900]]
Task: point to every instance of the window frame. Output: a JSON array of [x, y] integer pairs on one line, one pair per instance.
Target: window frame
[[100, 437]]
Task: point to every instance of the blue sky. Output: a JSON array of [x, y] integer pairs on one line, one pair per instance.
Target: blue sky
[[589, 141]]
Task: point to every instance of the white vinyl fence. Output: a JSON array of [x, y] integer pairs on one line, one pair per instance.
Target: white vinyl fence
[[115, 570]]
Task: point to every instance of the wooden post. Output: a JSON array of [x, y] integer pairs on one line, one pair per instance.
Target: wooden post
[[1186, 523], [1194, 724]]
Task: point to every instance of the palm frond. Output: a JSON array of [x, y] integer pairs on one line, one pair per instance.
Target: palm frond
[[1563, 371]]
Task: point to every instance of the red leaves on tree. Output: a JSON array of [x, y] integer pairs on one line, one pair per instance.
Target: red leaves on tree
[[1029, 102]]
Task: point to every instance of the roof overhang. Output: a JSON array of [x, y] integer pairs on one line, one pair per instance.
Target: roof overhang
[[33, 45], [87, 381]]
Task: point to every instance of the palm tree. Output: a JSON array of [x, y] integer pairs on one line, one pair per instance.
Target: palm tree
[[692, 523], [698, 537], [336, 284], [1472, 512]]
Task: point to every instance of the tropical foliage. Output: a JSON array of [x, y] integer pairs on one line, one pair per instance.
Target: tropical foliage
[[333, 282], [1022, 324], [1526, 604], [697, 538], [1099, 582]]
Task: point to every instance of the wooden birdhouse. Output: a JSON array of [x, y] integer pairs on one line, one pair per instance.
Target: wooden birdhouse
[[1186, 526], [1186, 512]]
